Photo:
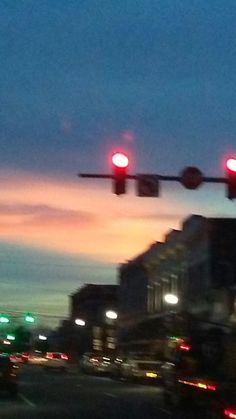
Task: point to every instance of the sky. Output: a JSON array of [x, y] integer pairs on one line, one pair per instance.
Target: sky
[[78, 80]]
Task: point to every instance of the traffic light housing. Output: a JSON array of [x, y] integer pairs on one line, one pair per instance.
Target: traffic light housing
[[231, 178], [120, 164]]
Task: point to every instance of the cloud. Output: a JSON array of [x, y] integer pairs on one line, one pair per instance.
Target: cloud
[[77, 217], [44, 215]]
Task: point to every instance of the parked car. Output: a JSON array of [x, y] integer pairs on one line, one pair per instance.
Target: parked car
[[56, 361], [8, 376]]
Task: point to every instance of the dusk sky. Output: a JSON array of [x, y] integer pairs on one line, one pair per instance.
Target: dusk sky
[[79, 79]]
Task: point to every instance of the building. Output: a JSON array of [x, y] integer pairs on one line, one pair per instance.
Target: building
[[133, 281], [197, 264], [92, 329]]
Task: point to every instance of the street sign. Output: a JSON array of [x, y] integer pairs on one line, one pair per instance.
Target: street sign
[[148, 185], [191, 177]]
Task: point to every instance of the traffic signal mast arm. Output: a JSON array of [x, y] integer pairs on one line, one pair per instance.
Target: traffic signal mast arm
[[208, 179], [148, 184]]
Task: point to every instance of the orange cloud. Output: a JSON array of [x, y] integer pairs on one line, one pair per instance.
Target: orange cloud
[[81, 217]]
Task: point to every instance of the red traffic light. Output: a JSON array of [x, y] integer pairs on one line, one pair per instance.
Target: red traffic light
[[120, 164], [231, 164], [230, 167], [120, 160]]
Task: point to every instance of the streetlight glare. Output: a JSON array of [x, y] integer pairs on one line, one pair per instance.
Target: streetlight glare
[[42, 337], [4, 319], [110, 314], [171, 299], [80, 322], [10, 337], [29, 318]]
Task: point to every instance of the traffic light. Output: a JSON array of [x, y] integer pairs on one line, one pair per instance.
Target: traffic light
[[29, 318], [231, 177], [120, 164]]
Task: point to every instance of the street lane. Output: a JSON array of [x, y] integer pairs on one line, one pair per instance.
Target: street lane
[[72, 395]]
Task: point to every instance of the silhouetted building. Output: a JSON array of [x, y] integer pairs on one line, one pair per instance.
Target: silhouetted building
[[90, 305], [133, 293], [197, 264]]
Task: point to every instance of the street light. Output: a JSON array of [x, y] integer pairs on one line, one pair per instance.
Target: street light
[[112, 315], [171, 299], [42, 337], [11, 337], [29, 318], [80, 322], [4, 319]]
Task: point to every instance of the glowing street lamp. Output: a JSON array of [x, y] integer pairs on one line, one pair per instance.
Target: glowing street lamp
[[11, 337], [80, 322], [171, 299], [29, 318], [111, 315], [4, 319], [42, 337]]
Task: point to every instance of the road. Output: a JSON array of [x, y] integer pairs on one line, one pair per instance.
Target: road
[[73, 395]]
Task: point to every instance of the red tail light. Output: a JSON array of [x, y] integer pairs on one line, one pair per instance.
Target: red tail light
[[185, 347], [203, 386], [64, 356], [229, 413], [49, 356], [210, 387]]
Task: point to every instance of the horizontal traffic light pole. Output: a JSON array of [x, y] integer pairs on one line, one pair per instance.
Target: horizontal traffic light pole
[[160, 177], [148, 184]]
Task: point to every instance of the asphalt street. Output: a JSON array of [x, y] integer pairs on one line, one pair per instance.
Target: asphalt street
[[73, 395]]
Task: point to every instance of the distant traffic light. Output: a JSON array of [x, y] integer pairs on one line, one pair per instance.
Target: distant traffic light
[[29, 318], [231, 177], [120, 164]]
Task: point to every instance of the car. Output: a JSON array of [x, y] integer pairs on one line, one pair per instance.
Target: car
[[138, 369], [116, 368], [16, 358], [95, 364], [223, 406], [102, 365], [85, 363], [25, 357], [36, 358], [8, 376], [56, 361]]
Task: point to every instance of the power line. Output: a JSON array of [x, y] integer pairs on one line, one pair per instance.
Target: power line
[[16, 312], [60, 265]]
